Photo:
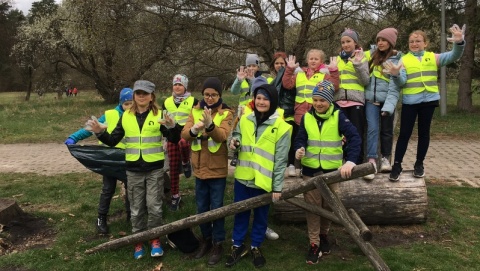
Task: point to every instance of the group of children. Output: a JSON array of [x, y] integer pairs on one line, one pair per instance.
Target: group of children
[[316, 115]]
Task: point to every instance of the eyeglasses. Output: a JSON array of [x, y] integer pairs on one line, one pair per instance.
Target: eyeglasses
[[213, 96]]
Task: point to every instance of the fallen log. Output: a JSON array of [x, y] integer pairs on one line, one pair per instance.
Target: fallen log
[[377, 202], [293, 190]]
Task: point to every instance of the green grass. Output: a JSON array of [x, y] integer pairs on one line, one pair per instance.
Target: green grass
[[449, 240]]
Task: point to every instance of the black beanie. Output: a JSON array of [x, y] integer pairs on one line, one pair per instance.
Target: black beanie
[[213, 82]]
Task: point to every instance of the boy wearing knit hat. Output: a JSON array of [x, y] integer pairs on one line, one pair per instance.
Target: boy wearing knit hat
[[381, 97], [207, 129], [324, 123], [179, 106]]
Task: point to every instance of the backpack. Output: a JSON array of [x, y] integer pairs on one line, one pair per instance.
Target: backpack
[[185, 240]]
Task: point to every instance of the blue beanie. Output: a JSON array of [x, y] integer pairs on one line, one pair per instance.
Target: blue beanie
[[126, 95], [264, 93], [324, 89]]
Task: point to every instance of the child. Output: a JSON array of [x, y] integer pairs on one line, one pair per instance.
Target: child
[[381, 97], [143, 128], [420, 93], [111, 118], [179, 105], [263, 139], [244, 80], [207, 128], [354, 76], [319, 146], [305, 80]]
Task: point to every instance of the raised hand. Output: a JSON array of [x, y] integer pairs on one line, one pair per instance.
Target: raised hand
[[250, 74], [168, 120], [93, 125], [292, 62], [458, 34], [357, 56], [333, 63], [197, 128], [241, 73], [393, 69], [207, 117]]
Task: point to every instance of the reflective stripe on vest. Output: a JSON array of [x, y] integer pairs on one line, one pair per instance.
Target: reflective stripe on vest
[[111, 118], [217, 120], [146, 143], [256, 159], [245, 96], [348, 76], [377, 71], [305, 86], [182, 111], [324, 146], [421, 75]]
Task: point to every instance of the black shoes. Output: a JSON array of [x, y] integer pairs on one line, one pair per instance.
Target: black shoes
[[236, 255], [313, 254], [396, 171], [418, 171], [102, 227], [258, 259], [324, 244]]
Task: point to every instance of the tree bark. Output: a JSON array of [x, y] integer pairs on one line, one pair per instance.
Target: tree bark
[[333, 177], [464, 98], [9, 210]]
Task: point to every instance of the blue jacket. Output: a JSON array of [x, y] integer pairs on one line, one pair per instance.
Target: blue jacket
[[443, 59], [345, 128], [82, 134], [381, 91]]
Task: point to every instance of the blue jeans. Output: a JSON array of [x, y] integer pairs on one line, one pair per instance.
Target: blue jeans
[[209, 196], [378, 124]]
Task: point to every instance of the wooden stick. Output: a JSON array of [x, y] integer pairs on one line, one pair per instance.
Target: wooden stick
[[364, 230]]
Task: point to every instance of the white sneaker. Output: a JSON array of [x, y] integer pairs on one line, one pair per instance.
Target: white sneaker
[[271, 235], [291, 171], [370, 177], [385, 165]]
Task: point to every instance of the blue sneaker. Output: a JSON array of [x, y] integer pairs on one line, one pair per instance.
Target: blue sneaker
[[139, 251], [157, 250], [187, 169]]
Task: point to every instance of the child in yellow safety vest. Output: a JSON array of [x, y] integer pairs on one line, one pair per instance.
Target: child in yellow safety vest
[[143, 127], [319, 147], [263, 140], [179, 105]]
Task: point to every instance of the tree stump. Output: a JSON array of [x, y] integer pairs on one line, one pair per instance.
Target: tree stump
[[9, 210], [377, 202]]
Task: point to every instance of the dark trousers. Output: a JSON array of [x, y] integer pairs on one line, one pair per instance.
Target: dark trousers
[[108, 190], [209, 195], [356, 115], [410, 112], [291, 151]]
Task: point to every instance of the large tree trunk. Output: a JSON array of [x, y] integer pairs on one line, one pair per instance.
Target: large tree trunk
[[464, 99]]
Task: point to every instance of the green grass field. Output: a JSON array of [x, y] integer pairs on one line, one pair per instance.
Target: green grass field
[[67, 205]]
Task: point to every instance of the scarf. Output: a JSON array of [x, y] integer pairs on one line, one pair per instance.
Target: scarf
[[180, 98], [311, 72], [203, 104], [325, 115], [345, 56]]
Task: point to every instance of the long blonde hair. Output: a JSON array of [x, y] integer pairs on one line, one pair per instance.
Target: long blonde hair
[[152, 105]]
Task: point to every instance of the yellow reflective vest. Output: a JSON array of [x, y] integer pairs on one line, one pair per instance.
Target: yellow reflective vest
[[182, 111], [256, 159], [421, 75], [377, 70], [217, 120], [324, 146], [348, 76], [111, 118], [245, 95], [146, 143], [305, 86]]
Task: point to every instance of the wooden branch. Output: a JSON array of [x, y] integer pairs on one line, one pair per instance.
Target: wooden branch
[[314, 209], [332, 177], [364, 230], [350, 226]]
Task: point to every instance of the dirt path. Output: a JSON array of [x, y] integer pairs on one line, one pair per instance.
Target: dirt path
[[452, 160]]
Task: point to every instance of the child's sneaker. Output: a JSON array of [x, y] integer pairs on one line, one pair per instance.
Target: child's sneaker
[[139, 251], [157, 250], [236, 255], [324, 244], [175, 203], [271, 234], [396, 171], [370, 177], [291, 171], [385, 165], [418, 171], [258, 259], [313, 254]]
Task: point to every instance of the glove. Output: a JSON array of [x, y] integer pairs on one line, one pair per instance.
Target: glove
[[390, 68], [300, 153], [93, 125], [197, 128], [346, 169], [70, 141], [168, 120], [207, 117]]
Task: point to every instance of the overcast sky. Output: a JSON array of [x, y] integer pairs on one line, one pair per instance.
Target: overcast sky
[[25, 5]]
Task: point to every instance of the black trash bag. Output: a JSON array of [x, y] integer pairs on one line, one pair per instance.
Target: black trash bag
[[100, 159], [184, 240]]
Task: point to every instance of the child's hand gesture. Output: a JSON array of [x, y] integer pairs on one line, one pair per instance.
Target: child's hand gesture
[[234, 143], [241, 73], [197, 128], [93, 125], [357, 56], [168, 120], [207, 117], [333, 63], [292, 62], [250, 74], [458, 34], [390, 68]]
